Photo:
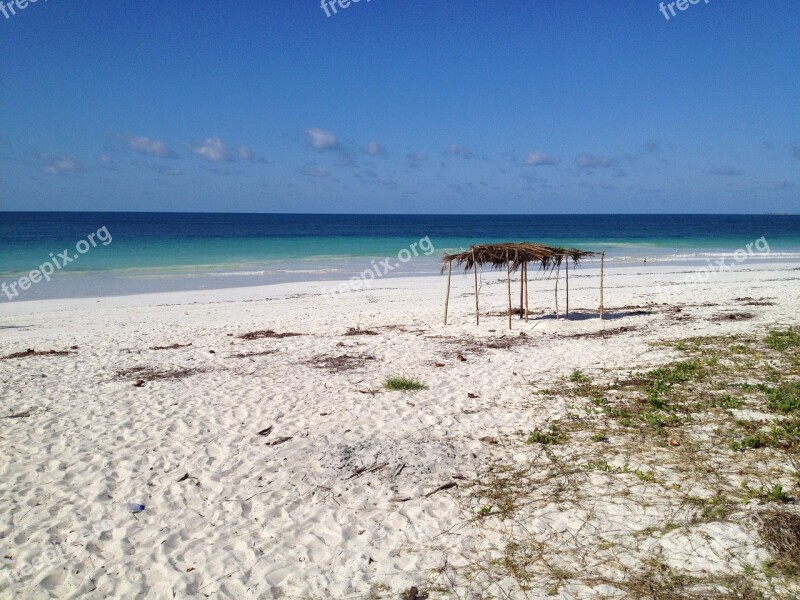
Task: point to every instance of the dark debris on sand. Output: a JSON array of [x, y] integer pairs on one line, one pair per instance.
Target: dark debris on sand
[[750, 301], [359, 331], [22, 415], [153, 374], [172, 347], [252, 354], [337, 364], [31, 352], [734, 316], [474, 345], [604, 333], [267, 334]]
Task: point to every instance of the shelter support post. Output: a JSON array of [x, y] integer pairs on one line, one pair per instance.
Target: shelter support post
[[558, 274], [602, 261], [447, 298], [525, 278], [508, 273], [477, 313], [566, 273]]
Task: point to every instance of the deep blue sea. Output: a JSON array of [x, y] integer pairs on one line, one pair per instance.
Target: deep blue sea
[[144, 252]]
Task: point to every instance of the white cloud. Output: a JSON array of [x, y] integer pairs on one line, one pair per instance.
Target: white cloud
[[61, 165], [346, 160], [105, 160], [417, 158], [454, 150], [321, 139], [214, 149], [374, 148], [540, 159], [149, 146], [593, 161]]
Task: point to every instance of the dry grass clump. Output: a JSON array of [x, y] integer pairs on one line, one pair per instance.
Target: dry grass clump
[[172, 347], [338, 364], [267, 334], [733, 316], [253, 354], [358, 331], [780, 531], [155, 374], [31, 352]]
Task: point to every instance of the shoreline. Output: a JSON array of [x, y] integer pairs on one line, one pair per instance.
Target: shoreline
[[78, 282]]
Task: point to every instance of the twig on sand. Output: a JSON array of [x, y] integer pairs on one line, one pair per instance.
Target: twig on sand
[[371, 469], [442, 488], [279, 441], [31, 352], [22, 415]]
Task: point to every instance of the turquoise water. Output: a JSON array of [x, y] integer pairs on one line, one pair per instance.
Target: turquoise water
[[141, 252]]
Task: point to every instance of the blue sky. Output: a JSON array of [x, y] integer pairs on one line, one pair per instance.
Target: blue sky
[[401, 106]]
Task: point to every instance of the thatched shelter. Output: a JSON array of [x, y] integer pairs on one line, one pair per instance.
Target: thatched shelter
[[515, 257]]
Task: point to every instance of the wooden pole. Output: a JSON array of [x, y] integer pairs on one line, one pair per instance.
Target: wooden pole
[[508, 273], [558, 273], [477, 313], [521, 289], [447, 298], [525, 277], [602, 260], [566, 272]]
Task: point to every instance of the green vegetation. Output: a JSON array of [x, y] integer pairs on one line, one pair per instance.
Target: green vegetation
[[785, 398], [740, 467], [726, 401], [400, 384], [782, 340], [776, 494], [578, 377], [552, 436]]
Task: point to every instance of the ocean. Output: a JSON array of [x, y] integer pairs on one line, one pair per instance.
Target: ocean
[[123, 253]]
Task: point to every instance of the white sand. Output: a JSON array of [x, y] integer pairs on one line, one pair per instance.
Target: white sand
[[295, 520]]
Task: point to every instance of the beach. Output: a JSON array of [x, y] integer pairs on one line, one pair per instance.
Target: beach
[[251, 431]]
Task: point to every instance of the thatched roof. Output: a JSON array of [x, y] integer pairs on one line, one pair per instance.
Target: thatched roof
[[515, 254]]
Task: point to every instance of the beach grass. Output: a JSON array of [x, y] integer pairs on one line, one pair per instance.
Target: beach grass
[[404, 384]]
